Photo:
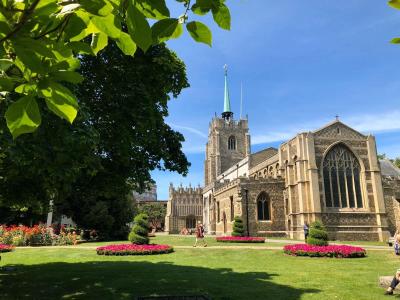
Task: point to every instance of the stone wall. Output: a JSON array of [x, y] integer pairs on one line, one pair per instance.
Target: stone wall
[[183, 204]]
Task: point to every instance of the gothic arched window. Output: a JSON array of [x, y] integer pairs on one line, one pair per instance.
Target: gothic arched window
[[232, 143], [263, 207], [341, 173]]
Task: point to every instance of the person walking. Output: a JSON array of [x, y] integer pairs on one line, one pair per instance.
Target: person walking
[[397, 243], [200, 234], [306, 230]]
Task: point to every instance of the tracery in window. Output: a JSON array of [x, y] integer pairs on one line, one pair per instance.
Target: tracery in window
[[263, 207], [341, 174], [232, 143]]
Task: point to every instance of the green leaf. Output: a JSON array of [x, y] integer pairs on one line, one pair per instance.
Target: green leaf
[[222, 16], [30, 59], [6, 84], [37, 46], [69, 76], [394, 3], [5, 64], [81, 48], [126, 44], [23, 116], [107, 25], [153, 9], [199, 10], [60, 100], [68, 9], [199, 32], [395, 41], [99, 42], [98, 7], [138, 28], [26, 88], [166, 29]]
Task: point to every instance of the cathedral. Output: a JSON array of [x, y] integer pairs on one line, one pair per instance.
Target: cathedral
[[332, 174]]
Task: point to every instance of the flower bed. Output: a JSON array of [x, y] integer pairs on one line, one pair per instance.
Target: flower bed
[[38, 235], [6, 248], [134, 249], [240, 239], [340, 251]]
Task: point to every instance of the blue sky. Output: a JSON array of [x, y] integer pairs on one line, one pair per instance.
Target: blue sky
[[301, 63]]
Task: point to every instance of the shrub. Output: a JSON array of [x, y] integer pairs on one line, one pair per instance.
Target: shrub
[[140, 230], [240, 239], [238, 228], [318, 235], [339, 251], [134, 249]]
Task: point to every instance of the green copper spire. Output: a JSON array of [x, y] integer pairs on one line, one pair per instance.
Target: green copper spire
[[227, 113]]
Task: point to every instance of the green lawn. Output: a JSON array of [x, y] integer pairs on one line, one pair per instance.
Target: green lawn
[[185, 241], [78, 273]]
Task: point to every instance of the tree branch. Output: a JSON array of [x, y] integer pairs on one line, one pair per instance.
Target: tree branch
[[27, 13]]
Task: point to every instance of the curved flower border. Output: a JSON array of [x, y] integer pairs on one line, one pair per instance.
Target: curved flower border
[[134, 249], [338, 251], [240, 239], [6, 248]]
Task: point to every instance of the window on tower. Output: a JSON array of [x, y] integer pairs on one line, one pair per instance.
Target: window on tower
[[232, 143]]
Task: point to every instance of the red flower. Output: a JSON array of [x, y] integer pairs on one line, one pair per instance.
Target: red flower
[[6, 248], [344, 251], [133, 249]]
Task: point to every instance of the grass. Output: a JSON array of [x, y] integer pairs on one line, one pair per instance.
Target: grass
[[78, 273]]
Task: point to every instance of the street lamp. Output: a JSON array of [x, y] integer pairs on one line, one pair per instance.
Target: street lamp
[[247, 211]]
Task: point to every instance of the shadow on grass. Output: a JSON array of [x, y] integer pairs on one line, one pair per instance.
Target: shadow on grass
[[127, 280]]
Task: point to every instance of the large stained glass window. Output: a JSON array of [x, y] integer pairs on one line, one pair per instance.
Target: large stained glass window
[[341, 172]]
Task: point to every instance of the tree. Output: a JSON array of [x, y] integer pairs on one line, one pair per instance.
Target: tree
[[88, 168], [318, 235], [140, 230], [41, 41], [155, 211], [238, 227]]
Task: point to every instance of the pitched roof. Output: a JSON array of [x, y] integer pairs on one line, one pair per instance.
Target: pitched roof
[[260, 156], [388, 168]]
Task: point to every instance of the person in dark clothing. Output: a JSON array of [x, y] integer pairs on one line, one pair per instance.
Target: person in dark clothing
[[394, 283], [306, 230]]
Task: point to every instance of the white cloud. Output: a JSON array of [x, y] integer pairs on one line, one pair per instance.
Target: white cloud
[[366, 123], [189, 129]]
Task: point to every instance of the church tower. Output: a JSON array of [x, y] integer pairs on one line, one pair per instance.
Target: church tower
[[228, 140]]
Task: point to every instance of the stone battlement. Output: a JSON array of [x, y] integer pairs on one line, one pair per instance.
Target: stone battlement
[[185, 190]]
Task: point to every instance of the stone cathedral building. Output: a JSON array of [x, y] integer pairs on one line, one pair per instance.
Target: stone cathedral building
[[331, 174]]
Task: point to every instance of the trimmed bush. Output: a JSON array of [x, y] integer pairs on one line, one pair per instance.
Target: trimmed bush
[[238, 227], [140, 230], [318, 235]]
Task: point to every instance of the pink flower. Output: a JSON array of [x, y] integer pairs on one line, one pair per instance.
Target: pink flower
[[344, 251], [6, 248], [133, 249]]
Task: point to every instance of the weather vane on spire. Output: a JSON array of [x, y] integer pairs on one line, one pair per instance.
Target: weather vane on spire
[[226, 69]]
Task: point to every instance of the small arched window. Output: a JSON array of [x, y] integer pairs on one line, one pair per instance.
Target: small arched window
[[232, 143], [263, 207]]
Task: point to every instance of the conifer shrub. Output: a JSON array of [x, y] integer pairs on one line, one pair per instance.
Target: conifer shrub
[[238, 227], [140, 230], [317, 235]]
